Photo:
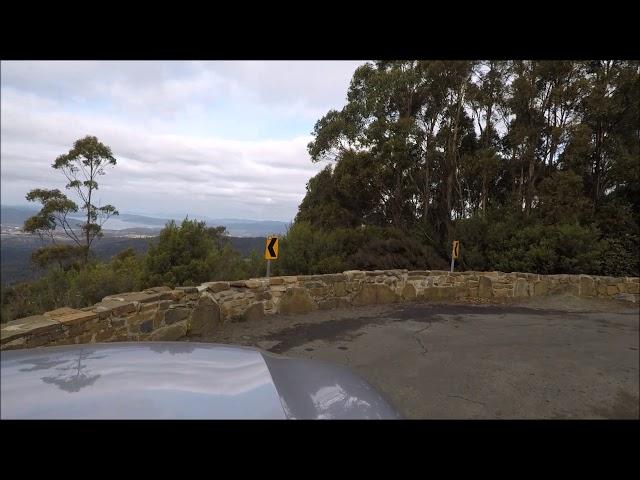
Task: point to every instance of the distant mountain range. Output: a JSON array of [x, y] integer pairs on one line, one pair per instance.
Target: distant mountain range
[[14, 216]]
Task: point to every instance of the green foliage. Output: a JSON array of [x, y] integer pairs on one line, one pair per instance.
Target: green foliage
[[620, 256], [64, 255], [517, 244], [191, 253], [55, 208], [561, 198], [75, 287], [185, 254], [309, 250], [533, 165]]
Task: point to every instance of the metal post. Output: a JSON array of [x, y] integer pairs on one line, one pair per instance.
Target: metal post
[[268, 268], [452, 260]]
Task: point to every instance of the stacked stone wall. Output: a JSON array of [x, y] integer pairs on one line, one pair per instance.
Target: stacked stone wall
[[163, 313]]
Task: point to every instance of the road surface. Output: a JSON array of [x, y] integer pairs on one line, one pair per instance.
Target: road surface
[[545, 358]]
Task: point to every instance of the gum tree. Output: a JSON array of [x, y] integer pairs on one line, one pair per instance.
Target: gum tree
[[82, 166]]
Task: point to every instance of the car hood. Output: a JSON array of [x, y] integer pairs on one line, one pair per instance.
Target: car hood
[[178, 380]]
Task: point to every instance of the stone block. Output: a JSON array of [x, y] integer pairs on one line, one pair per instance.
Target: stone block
[[186, 290], [146, 326], [253, 284], [176, 314], [354, 274], [215, 287], [118, 322], [41, 340], [318, 291], [254, 312], [296, 300], [339, 289], [104, 335], [632, 288], [540, 288], [164, 305], [176, 295], [587, 286], [163, 288], [263, 295], [485, 287], [115, 307], [94, 325], [36, 324], [58, 312], [440, 293], [374, 294], [205, 319], [14, 344], [75, 317], [409, 292], [521, 288], [502, 292], [170, 333], [143, 297]]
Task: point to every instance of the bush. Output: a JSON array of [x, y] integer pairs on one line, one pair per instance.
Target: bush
[[191, 253], [520, 244], [620, 256], [310, 250], [75, 288]]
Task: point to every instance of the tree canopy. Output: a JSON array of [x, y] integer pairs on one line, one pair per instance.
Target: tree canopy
[[441, 149]]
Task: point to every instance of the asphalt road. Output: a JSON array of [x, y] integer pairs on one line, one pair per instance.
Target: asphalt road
[[551, 358]]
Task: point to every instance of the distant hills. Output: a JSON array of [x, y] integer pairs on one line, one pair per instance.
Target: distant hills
[[15, 252], [124, 231], [11, 215]]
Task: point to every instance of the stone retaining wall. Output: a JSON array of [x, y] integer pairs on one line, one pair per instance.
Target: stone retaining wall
[[197, 312]]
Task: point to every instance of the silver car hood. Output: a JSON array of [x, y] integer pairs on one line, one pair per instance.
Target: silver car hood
[[178, 380]]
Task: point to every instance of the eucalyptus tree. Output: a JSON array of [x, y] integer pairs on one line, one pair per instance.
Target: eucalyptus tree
[[81, 166]]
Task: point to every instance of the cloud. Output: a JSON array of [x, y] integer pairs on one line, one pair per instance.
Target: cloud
[[225, 139]]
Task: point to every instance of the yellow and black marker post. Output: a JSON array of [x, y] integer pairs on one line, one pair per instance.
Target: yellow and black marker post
[[271, 252], [455, 252]]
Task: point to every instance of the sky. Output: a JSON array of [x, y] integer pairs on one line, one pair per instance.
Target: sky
[[220, 139]]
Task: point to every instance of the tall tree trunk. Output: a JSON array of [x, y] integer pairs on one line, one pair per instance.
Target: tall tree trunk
[[598, 163], [427, 188], [88, 232], [521, 188], [483, 193], [530, 182], [452, 154]]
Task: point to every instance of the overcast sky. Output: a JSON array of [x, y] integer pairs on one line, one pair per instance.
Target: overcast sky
[[218, 139]]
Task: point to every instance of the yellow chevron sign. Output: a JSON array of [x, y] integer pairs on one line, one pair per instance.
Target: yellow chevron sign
[[456, 249], [271, 249]]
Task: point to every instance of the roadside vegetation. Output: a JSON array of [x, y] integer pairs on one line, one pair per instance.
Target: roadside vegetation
[[184, 254], [534, 166]]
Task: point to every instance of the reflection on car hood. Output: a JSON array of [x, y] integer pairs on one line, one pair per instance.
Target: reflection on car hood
[[178, 380]]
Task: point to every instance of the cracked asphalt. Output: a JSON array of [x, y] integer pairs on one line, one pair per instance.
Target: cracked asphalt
[[544, 358]]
